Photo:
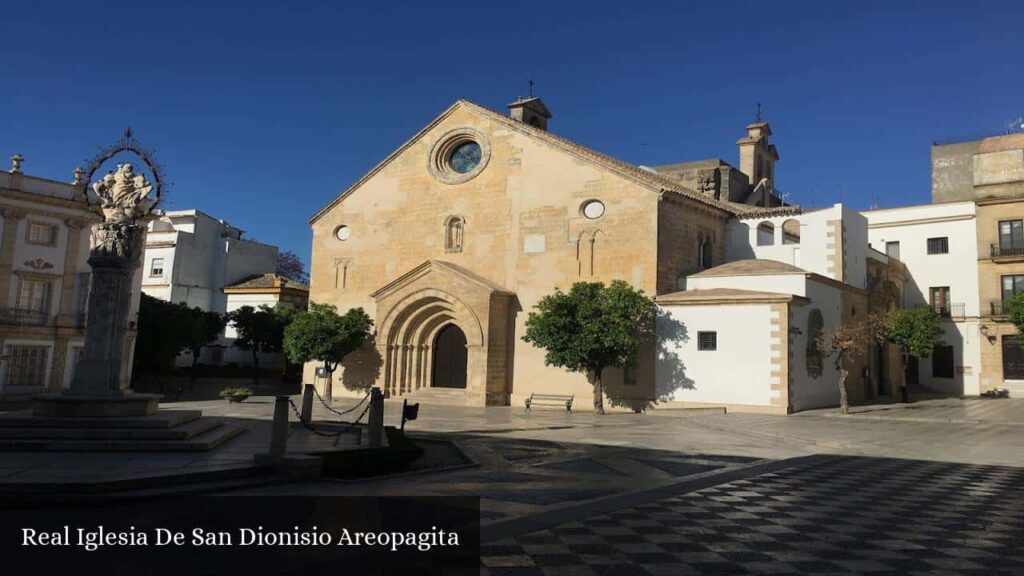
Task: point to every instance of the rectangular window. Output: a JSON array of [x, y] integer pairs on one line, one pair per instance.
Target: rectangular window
[[1012, 284], [1011, 237], [34, 295], [41, 233], [892, 250], [938, 245], [156, 268], [707, 340], [938, 297], [942, 361], [26, 366]]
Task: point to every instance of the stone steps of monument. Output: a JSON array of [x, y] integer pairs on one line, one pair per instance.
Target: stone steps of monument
[[1015, 388], [217, 479], [184, 431], [202, 442], [163, 419], [443, 396]]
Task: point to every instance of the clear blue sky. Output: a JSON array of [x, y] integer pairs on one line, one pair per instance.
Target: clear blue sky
[[262, 112]]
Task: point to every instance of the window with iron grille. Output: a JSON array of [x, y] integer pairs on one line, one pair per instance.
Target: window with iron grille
[[34, 295], [41, 233], [707, 340], [156, 268], [938, 245], [1012, 284], [26, 366], [1011, 236], [938, 297]]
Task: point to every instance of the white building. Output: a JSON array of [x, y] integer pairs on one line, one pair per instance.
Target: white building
[[192, 257], [938, 245], [746, 334], [269, 290], [44, 283]]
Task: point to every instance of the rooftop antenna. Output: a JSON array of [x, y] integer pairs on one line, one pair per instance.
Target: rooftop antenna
[[530, 91], [759, 114]]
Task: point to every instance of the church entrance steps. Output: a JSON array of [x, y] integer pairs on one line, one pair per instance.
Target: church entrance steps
[[442, 396]]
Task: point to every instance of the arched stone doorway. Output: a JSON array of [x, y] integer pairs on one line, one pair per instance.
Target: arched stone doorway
[[439, 305], [449, 360]]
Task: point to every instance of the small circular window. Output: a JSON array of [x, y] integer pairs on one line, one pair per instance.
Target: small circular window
[[459, 155], [342, 233], [593, 209]]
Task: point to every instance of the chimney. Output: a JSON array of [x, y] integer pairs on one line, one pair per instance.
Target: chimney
[[530, 111], [757, 156]]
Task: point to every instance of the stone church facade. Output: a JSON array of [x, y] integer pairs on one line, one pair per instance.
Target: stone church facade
[[450, 241]]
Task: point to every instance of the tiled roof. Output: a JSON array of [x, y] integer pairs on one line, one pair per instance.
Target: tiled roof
[[267, 281], [647, 178], [750, 267], [722, 294]]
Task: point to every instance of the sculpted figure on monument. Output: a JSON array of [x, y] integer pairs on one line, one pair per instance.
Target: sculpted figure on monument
[[122, 195]]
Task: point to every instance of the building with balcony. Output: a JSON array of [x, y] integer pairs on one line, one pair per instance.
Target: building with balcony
[[192, 257], [989, 172], [44, 282], [937, 245]]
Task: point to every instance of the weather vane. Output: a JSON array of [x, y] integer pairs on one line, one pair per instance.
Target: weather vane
[[530, 91], [759, 114]]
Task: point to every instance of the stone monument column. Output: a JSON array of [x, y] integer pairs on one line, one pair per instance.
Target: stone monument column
[[117, 248], [115, 255]]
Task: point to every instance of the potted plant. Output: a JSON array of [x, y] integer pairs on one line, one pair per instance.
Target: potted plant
[[235, 393]]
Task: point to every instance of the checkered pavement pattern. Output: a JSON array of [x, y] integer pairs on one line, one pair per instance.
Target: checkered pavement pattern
[[828, 515]]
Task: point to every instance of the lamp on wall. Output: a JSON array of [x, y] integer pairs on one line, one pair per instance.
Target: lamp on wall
[[984, 332]]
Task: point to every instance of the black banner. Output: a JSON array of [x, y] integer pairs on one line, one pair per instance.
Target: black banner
[[244, 534]]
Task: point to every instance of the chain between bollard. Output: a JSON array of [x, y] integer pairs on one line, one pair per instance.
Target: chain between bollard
[[343, 412], [336, 435]]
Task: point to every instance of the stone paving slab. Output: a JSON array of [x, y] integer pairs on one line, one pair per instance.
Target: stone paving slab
[[820, 515]]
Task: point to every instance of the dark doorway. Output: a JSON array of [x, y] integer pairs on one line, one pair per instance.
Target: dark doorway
[[913, 373], [1013, 358], [450, 358]]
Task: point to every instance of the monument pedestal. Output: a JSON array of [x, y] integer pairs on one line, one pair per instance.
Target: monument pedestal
[[92, 406]]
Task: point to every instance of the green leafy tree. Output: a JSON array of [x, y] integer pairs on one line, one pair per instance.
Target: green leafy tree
[[590, 328], [916, 331], [1014, 308], [164, 332], [203, 327], [260, 331], [321, 334]]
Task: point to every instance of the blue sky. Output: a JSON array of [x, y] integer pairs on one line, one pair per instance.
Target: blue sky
[[261, 112]]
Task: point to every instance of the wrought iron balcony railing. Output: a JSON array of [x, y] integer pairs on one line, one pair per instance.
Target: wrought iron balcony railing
[[950, 309], [1006, 250], [996, 308], [23, 316]]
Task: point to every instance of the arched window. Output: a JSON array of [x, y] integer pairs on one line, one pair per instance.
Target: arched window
[[454, 228], [815, 324], [705, 252], [765, 234], [791, 231]]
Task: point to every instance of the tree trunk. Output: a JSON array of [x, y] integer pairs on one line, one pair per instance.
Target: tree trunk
[[844, 398], [598, 393], [904, 393], [256, 370], [329, 385]]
